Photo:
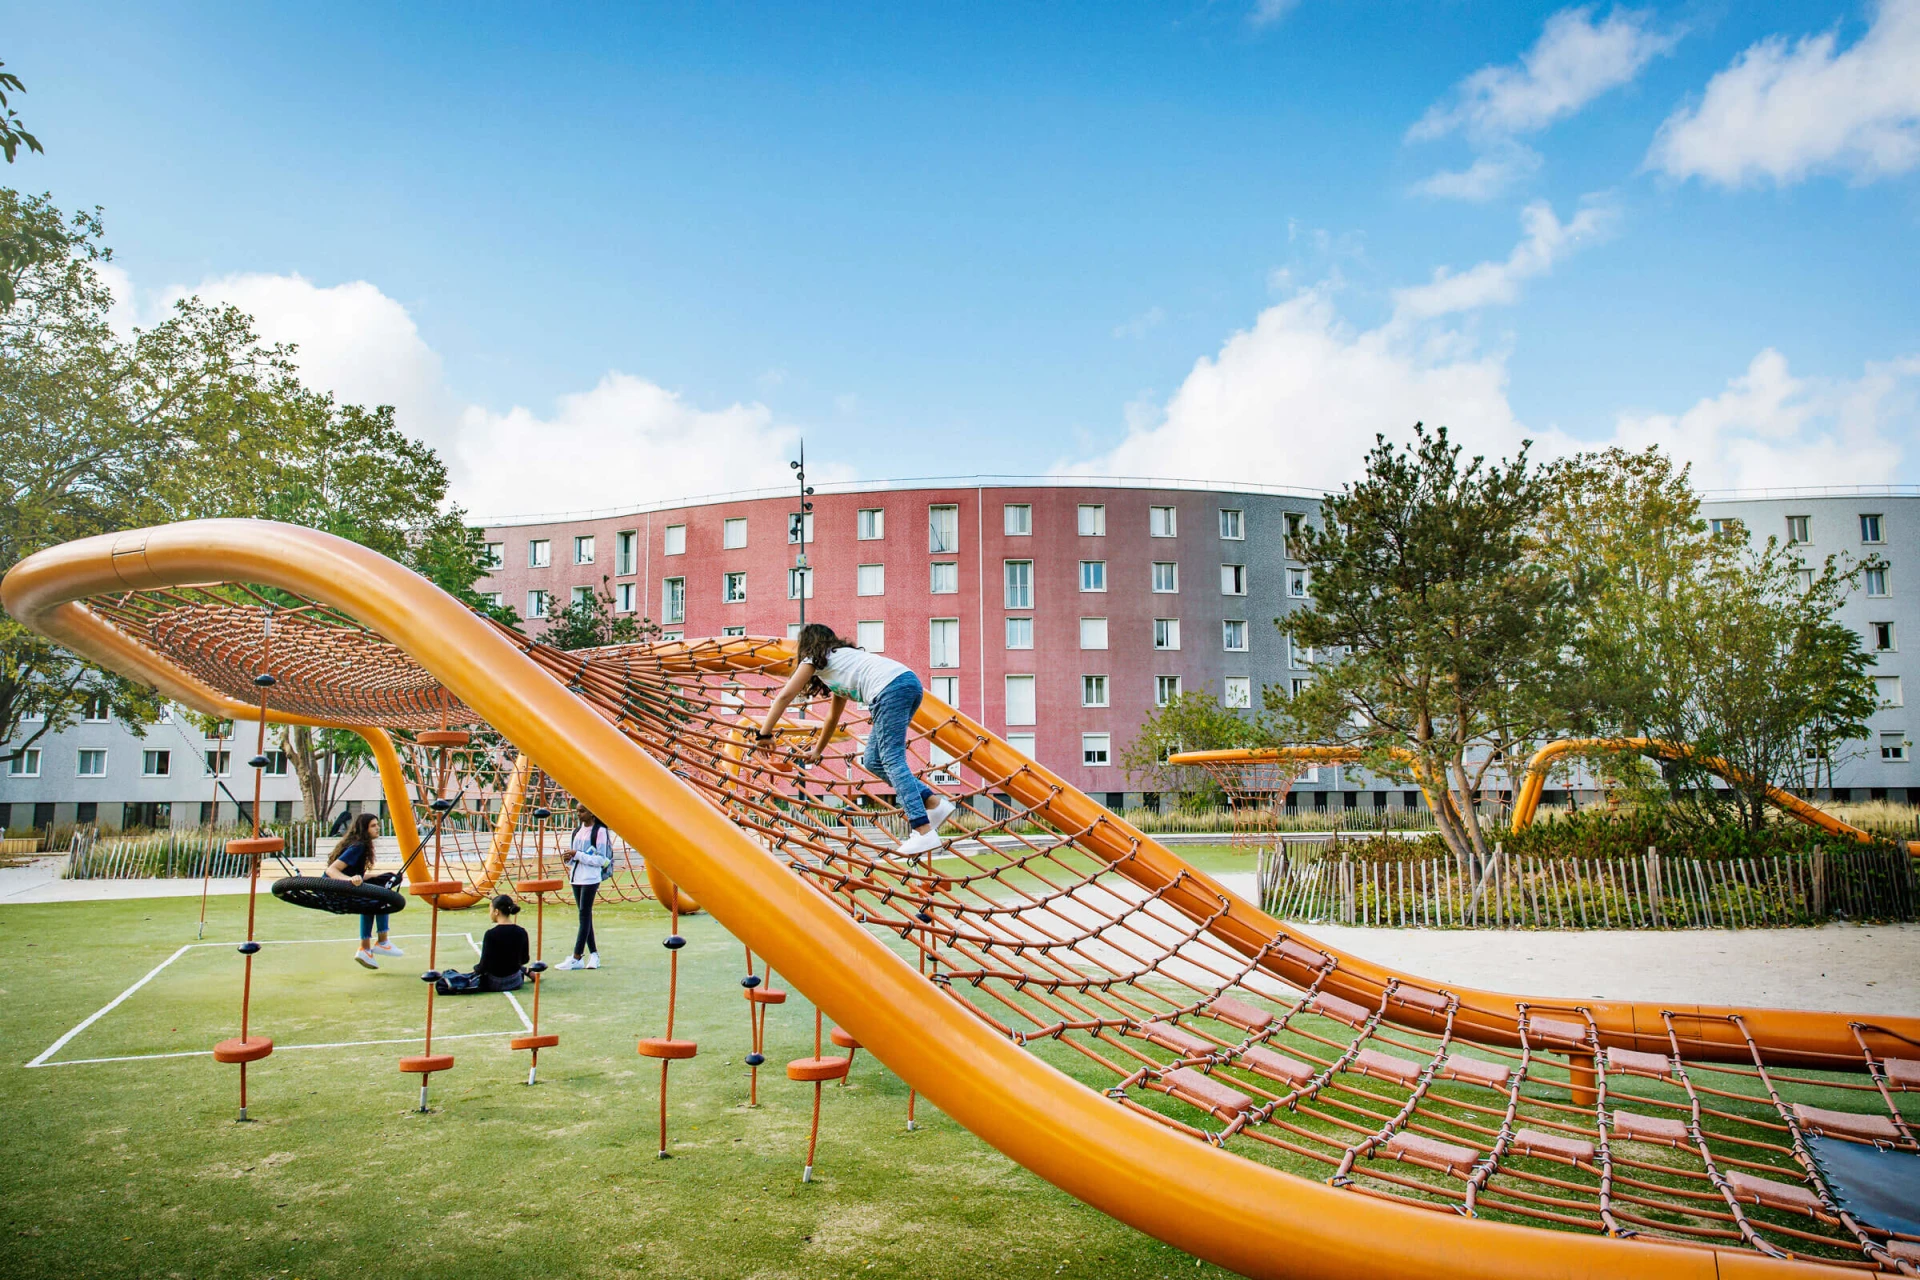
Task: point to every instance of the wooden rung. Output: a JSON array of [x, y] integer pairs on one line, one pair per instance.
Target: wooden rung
[[1552, 1146], [1628, 1124], [1239, 1013], [1205, 1092], [1634, 1062], [1384, 1066], [1845, 1124], [1774, 1195], [1339, 1010]]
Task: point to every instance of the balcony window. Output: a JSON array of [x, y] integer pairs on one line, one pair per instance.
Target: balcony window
[[1019, 580], [673, 600], [943, 529], [626, 551], [623, 597]]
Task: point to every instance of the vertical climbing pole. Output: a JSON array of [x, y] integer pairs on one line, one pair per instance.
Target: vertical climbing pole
[[816, 1070], [426, 1062], [206, 876], [666, 1048], [540, 886], [760, 993], [249, 1048]]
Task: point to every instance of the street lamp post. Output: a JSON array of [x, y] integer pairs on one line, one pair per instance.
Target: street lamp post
[[797, 526]]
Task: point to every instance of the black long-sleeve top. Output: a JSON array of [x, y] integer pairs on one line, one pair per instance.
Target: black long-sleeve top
[[503, 951]]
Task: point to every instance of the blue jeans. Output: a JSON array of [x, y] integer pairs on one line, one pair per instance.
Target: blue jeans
[[886, 756], [367, 925]]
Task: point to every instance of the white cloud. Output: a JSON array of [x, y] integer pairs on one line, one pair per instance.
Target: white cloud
[[1782, 111], [1488, 176], [1267, 12], [1546, 241], [1574, 61]]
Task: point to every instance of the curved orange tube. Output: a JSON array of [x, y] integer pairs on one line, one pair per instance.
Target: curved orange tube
[[1236, 1212]]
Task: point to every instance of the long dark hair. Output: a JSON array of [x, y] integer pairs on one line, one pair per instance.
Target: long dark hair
[[362, 830], [817, 640]]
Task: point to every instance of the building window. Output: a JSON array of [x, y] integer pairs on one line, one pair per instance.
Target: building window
[[1299, 656], [871, 636], [1233, 635], [1233, 524], [626, 547], [870, 580], [93, 764], [1882, 633], [1095, 748], [1870, 529], [1296, 525], [947, 689], [1093, 521], [27, 763], [1888, 687], [539, 553], [1093, 633], [943, 642], [276, 764], [799, 526], [733, 533], [1162, 522], [1233, 579], [1022, 742], [1019, 633], [1296, 583], [156, 764], [215, 764], [799, 584], [733, 589], [945, 579], [494, 598], [793, 631], [583, 549], [1799, 529], [1893, 747], [1165, 690], [1720, 527], [496, 556], [675, 540], [1876, 580], [1236, 692], [1019, 575], [733, 631], [98, 712], [1093, 575], [673, 600], [537, 604], [1093, 691], [871, 524], [943, 529], [1166, 633], [623, 598], [1299, 685], [583, 595], [1019, 701], [1017, 519]]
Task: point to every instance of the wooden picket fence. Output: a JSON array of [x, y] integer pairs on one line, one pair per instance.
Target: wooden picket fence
[[156, 855], [1318, 881]]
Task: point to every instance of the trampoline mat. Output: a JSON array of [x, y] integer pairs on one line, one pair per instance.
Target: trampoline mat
[[1875, 1186]]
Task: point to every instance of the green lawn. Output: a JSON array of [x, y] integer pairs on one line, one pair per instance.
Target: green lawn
[[138, 1169]]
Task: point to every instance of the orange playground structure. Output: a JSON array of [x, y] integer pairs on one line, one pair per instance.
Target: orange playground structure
[[1055, 980]]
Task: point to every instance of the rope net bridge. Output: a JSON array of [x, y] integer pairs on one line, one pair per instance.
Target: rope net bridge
[[1071, 935]]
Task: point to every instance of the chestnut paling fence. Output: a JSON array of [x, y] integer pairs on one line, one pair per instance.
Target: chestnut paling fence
[[96, 855], [1321, 881]]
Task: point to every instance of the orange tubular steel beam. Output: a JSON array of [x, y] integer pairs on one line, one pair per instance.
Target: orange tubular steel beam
[[1219, 1206]]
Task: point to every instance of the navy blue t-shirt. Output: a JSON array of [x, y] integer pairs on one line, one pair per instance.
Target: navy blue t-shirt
[[353, 859]]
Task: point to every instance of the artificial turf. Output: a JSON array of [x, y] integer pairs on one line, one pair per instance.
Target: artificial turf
[[138, 1168]]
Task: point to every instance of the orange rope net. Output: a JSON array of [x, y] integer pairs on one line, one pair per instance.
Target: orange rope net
[[1044, 939]]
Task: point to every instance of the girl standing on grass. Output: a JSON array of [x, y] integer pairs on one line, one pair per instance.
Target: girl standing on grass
[[824, 663], [590, 856], [352, 861]]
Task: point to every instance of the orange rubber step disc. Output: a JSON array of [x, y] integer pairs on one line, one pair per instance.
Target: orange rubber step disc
[[242, 1050], [767, 995], [816, 1068], [668, 1048], [541, 1041], [443, 737], [842, 1039], [433, 888], [256, 844], [426, 1063], [539, 886]]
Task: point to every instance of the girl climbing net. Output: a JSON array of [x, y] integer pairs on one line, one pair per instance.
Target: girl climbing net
[[824, 663]]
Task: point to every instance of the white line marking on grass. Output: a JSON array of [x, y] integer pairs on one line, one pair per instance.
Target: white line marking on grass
[[107, 1008], [208, 1053]]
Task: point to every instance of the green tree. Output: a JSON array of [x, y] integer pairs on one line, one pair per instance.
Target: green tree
[[1192, 721], [1437, 630], [589, 622], [21, 244]]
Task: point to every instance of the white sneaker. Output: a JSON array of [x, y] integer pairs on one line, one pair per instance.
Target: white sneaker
[[921, 842], [938, 815], [570, 962], [386, 949], [593, 960], [365, 957]]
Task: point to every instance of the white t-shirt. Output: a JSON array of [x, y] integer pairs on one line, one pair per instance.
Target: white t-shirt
[[857, 674]]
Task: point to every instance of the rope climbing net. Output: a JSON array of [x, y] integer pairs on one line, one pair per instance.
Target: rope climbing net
[[1413, 1094], [1256, 792]]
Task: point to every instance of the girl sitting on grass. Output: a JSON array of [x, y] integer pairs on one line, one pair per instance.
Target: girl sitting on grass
[[352, 861], [824, 663]]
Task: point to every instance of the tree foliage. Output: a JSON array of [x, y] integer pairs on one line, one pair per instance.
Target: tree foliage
[[589, 622], [1191, 721]]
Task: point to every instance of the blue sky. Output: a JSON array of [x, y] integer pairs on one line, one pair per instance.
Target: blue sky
[[612, 254]]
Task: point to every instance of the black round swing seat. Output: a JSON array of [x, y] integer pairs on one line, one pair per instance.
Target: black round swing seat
[[341, 897]]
